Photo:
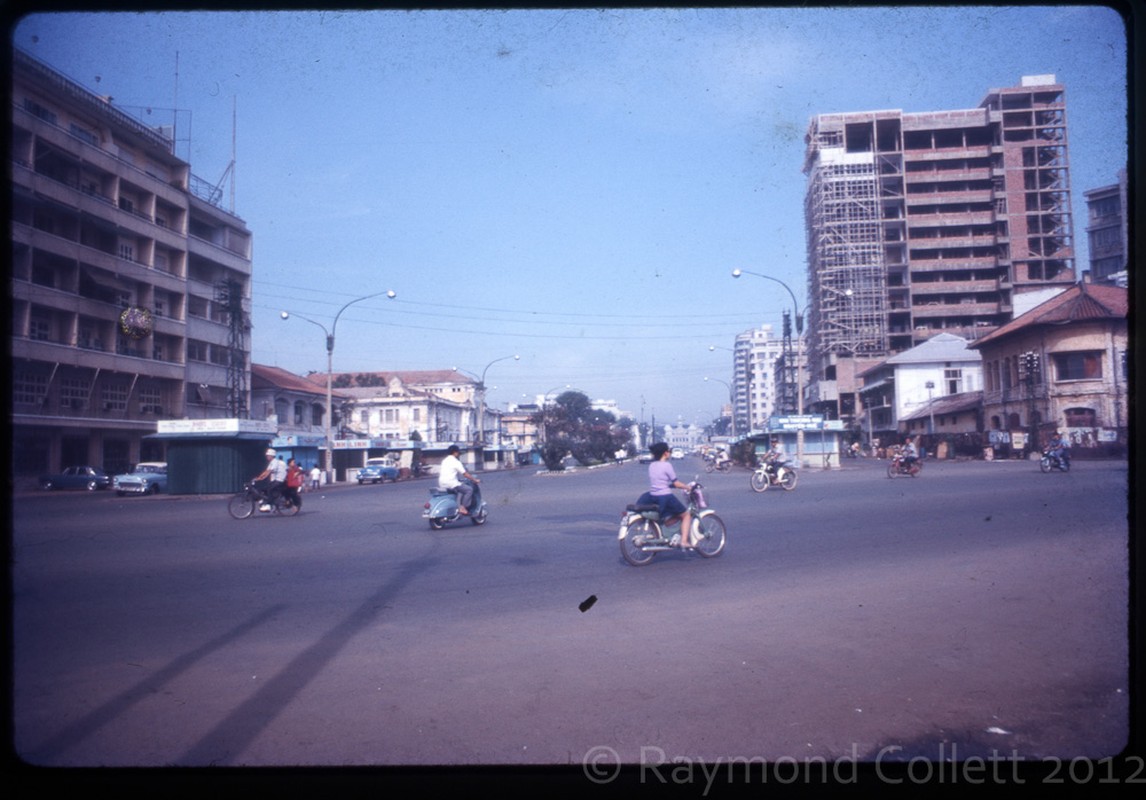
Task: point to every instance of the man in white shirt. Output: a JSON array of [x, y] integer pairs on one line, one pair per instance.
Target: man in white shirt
[[452, 478], [270, 480]]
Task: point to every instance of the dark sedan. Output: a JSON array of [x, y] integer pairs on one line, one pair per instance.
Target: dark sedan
[[88, 478]]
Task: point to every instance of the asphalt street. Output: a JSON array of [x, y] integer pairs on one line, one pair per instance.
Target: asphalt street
[[981, 607]]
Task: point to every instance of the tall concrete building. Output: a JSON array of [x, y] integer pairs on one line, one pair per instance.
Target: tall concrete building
[[1107, 232], [920, 223], [130, 287]]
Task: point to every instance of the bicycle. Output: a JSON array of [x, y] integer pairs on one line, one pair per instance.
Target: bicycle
[[252, 500]]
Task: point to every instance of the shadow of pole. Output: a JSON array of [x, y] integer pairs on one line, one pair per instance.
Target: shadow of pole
[[242, 725]]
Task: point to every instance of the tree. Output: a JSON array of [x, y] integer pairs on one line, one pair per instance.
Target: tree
[[572, 425]]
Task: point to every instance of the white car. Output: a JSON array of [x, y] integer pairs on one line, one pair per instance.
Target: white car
[[148, 477], [677, 454]]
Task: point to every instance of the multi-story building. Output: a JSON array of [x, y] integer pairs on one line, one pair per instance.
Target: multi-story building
[[1061, 366], [756, 389], [129, 290], [1107, 232], [920, 223]]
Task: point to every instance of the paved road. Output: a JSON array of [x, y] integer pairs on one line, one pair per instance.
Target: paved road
[[982, 606]]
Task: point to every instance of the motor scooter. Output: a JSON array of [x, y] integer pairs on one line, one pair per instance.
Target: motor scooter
[[442, 508], [1052, 460], [643, 533], [774, 472]]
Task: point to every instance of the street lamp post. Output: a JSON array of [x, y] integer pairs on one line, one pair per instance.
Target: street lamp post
[[736, 273], [731, 402], [481, 394], [329, 463]]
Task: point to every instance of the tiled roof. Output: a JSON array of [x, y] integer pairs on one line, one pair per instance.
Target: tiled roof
[[1081, 302], [263, 376], [940, 347], [948, 404], [408, 377]]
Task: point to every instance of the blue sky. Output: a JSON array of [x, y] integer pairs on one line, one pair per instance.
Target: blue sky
[[574, 186]]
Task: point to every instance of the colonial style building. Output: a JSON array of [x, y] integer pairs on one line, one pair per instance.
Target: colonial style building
[[1060, 366], [130, 287], [923, 390]]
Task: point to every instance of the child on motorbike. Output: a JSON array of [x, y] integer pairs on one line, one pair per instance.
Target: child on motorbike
[[662, 480]]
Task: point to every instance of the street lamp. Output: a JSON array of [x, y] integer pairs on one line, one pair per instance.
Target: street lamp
[[329, 464], [931, 427], [731, 402], [736, 273], [481, 391]]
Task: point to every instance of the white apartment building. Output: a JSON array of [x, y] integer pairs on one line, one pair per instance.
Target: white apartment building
[[124, 283], [754, 387]]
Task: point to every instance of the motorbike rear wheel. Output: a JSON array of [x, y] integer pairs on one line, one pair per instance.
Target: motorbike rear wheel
[[759, 480], [286, 508], [437, 523], [916, 468], [709, 536], [788, 479], [241, 505], [639, 532], [724, 466]]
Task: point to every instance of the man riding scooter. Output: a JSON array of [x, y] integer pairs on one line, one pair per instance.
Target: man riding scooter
[[454, 478]]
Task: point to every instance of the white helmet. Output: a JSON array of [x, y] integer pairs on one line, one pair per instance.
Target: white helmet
[[270, 451]]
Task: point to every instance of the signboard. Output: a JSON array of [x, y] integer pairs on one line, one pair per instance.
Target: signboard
[[216, 426], [796, 422]]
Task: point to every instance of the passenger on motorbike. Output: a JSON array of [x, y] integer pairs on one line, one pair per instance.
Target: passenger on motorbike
[[1057, 448], [662, 480], [773, 456], [908, 454], [270, 481], [453, 477]]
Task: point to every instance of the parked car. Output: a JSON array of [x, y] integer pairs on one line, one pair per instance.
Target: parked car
[[378, 470], [677, 454], [148, 477], [644, 457], [88, 478]]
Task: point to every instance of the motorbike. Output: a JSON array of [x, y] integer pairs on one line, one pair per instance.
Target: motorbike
[[900, 466], [442, 508], [773, 473], [251, 501], [721, 463], [1051, 461], [643, 534]]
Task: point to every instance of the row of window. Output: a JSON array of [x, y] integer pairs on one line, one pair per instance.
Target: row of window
[[1011, 371]]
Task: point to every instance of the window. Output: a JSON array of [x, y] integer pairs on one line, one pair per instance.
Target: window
[[196, 350], [114, 397], [29, 387], [954, 380], [1078, 366], [74, 392], [150, 400]]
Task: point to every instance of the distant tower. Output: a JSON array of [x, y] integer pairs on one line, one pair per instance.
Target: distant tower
[[230, 295]]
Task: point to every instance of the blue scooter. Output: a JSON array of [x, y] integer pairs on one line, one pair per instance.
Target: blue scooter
[[442, 508]]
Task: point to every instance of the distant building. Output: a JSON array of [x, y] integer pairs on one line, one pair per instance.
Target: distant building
[[755, 385], [1061, 366], [931, 382], [130, 288], [931, 222], [1107, 232]]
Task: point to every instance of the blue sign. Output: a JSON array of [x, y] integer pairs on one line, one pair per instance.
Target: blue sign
[[797, 422]]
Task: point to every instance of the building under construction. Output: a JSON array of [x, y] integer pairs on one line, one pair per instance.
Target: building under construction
[[919, 223]]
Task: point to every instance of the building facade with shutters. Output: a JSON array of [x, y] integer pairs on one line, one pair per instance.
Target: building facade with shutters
[[129, 287]]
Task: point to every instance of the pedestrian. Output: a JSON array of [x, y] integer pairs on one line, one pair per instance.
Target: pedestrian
[[315, 477]]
